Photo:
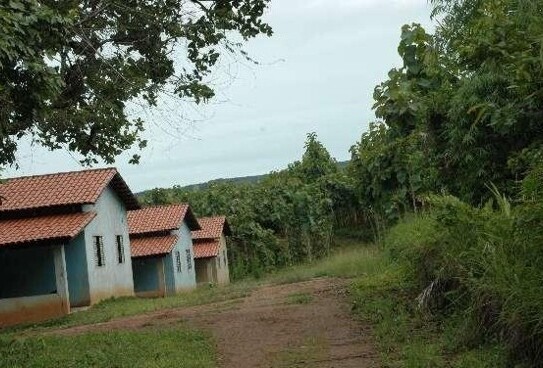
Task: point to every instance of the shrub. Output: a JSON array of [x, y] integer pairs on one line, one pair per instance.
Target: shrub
[[483, 264]]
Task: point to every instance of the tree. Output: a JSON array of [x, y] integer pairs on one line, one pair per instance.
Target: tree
[[493, 130], [316, 161], [69, 68], [465, 108]]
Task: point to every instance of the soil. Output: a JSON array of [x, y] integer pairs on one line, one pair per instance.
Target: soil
[[305, 324]]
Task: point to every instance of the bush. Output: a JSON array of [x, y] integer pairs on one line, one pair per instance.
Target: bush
[[483, 264]]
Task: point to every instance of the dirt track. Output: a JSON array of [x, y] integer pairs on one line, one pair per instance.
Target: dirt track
[[306, 324]]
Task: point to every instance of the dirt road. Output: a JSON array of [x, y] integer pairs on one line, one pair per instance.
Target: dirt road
[[306, 324]]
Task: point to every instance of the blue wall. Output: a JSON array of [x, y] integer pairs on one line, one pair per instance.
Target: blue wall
[[146, 274], [186, 279], [169, 272], [114, 279], [145, 270], [78, 280], [27, 272]]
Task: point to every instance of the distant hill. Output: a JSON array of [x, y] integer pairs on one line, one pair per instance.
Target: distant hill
[[237, 180]]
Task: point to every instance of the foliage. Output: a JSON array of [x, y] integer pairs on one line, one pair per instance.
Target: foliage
[[463, 111], [461, 118], [69, 69], [392, 163], [286, 218], [482, 265]]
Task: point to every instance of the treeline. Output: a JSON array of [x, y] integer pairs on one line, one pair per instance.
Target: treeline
[[286, 218]]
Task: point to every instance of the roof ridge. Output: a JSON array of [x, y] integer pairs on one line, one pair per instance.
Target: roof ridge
[[162, 206], [64, 188], [60, 173], [158, 218], [212, 217]]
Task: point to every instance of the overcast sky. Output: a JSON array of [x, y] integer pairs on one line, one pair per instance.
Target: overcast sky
[[316, 73]]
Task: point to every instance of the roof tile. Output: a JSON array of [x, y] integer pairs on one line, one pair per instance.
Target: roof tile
[[151, 246], [212, 227], [206, 249], [34, 229], [61, 189], [160, 218]]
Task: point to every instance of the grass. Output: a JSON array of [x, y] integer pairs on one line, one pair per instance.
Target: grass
[[346, 262], [309, 351], [168, 347], [404, 335], [129, 306], [299, 298]]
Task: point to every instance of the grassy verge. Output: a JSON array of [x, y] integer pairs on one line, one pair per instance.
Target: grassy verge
[[404, 335], [383, 295], [174, 346], [347, 262], [129, 306]]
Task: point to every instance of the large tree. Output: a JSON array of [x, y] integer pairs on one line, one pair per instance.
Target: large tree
[[68, 68], [463, 112]]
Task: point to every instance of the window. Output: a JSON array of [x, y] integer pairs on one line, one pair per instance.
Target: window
[[178, 260], [224, 257], [189, 259], [99, 251], [120, 249]]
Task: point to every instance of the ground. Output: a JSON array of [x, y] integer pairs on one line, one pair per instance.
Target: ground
[[302, 324]]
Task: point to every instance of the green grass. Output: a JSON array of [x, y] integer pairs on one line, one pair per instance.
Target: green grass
[[173, 346], [406, 337], [129, 306], [307, 352], [354, 261], [299, 298]]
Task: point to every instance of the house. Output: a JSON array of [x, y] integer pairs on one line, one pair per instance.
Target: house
[[210, 252], [161, 246], [63, 243]]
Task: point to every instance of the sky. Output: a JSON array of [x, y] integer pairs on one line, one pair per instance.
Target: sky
[[315, 74]]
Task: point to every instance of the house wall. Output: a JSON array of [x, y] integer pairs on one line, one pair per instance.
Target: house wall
[[223, 272], [27, 272], [149, 276], [112, 279], [78, 280], [214, 269], [30, 309], [33, 308], [186, 279], [205, 270]]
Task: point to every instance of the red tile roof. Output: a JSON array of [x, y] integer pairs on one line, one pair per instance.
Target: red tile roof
[[44, 228], [206, 248], [152, 245], [212, 228], [62, 189], [160, 218]]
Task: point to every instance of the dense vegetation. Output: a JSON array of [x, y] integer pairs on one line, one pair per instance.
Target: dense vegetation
[[286, 218], [448, 180]]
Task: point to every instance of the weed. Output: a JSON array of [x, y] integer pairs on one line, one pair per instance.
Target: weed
[[299, 298]]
